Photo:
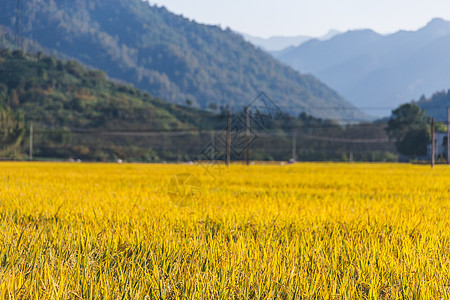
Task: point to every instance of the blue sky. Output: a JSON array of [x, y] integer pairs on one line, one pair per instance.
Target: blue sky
[[266, 18]]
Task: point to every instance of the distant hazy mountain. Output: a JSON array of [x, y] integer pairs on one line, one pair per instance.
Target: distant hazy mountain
[[276, 43], [171, 57], [373, 70], [279, 43]]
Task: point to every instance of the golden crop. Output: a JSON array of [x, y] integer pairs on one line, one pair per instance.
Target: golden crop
[[304, 231]]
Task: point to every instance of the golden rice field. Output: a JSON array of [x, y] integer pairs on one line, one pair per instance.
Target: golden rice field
[[304, 231]]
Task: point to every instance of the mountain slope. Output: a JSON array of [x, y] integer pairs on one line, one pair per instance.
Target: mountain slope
[[71, 106], [371, 69], [170, 56]]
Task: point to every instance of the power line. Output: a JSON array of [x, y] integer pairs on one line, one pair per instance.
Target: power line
[[215, 132]]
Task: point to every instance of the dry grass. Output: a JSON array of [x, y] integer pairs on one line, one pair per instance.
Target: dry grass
[[307, 231]]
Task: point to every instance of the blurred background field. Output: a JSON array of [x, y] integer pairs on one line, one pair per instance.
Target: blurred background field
[[313, 230]]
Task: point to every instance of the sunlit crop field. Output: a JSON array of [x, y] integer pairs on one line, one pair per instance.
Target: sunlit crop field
[[303, 231]]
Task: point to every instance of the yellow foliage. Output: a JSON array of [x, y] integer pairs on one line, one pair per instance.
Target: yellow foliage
[[303, 231], [85, 94]]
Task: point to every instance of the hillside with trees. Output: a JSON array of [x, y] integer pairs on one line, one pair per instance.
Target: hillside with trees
[[64, 95], [77, 112], [170, 56], [436, 105]]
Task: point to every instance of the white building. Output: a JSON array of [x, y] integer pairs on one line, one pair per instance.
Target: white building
[[440, 142]]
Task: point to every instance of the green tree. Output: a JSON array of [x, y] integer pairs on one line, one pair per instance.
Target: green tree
[[12, 129], [440, 127], [42, 73], [3, 93], [409, 125], [13, 99]]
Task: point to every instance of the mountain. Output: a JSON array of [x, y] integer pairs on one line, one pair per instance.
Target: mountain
[[279, 43], [170, 56], [373, 70], [330, 34], [276, 43]]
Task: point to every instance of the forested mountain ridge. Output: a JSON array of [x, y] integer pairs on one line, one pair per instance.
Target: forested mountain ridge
[[171, 57], [65, 93], [78, 112], [64, 97]]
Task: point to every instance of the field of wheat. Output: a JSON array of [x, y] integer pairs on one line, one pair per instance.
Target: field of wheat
[[303, 231]]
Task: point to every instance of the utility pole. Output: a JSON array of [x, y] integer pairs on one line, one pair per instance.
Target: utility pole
[[247, 136], [294, 145], [350, 157], [31, 141], [432, 143], [436, 148], [213, 147], [448, 135], [228, 143]]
